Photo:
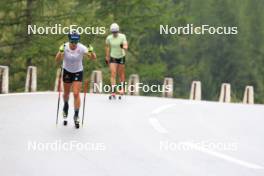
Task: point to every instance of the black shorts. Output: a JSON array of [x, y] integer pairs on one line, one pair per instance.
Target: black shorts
[[69, 77], [121, 60]]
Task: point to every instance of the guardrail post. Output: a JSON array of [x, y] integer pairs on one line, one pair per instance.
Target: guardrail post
[[31, 81], [56, 87], [96, 82], [4, 79], [196, 91], [133, 82], [225, 94], [168, 88], [249, 95]]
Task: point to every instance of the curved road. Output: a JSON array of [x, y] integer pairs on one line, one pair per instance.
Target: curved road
[[137, 136]]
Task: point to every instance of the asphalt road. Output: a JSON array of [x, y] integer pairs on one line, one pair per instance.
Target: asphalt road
[[136, 136]]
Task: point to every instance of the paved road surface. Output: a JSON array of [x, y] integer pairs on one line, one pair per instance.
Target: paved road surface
[[137, 136]]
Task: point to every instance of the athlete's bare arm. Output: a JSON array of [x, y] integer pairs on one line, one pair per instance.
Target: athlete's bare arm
[[107, 52], [59, 56], [125, 45]]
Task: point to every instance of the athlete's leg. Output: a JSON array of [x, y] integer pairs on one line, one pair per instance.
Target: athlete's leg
[[121, 74], [66, 94], [113, 69], [76, 88], [67, 83], [67, 89]]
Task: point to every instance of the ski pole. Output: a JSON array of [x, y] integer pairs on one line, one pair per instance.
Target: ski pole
[[59, 90], [84, 97]]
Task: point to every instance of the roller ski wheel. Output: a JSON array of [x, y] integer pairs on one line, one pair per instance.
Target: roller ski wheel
[[121, 93], [112, 97]]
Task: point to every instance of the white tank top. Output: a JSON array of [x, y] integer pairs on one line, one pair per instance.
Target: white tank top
[[72, 61]]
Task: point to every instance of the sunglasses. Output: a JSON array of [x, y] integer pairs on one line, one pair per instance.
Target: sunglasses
[[73, 42]]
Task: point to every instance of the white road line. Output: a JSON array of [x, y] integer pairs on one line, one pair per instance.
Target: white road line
[[223, 156], [155, 123], [157, 126], [162, 108]]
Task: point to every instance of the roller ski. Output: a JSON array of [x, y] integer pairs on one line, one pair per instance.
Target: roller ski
[[119, 96], [112, 96]]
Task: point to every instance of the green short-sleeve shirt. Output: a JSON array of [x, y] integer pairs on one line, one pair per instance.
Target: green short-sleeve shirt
[[114, 42]]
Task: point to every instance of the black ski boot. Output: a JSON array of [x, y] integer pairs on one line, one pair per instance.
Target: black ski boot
[[76, 119], [76, 122], [65, 113]]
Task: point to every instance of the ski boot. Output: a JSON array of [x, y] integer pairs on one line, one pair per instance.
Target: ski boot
[[65, 113], [76, 122]]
